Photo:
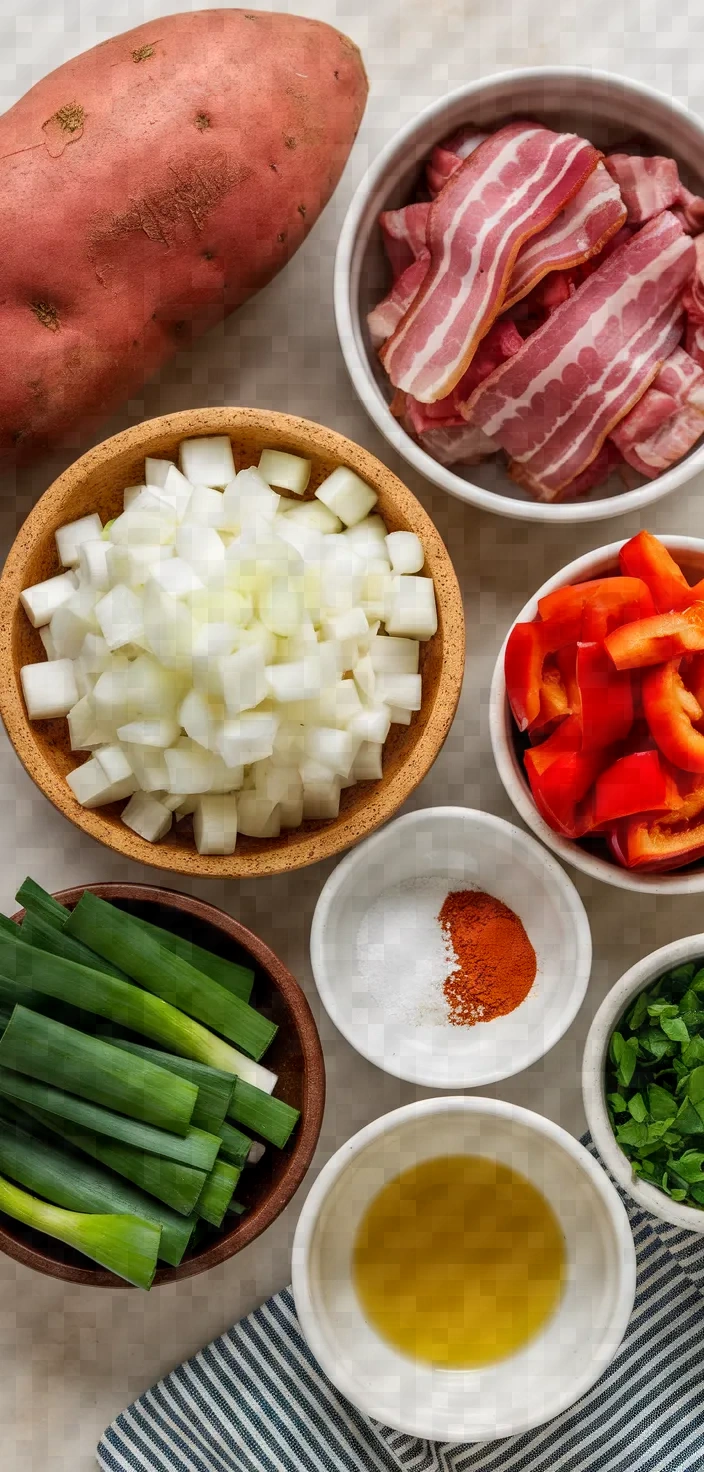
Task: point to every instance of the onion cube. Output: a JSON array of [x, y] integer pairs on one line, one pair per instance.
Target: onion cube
[[205, 507], [257, 817], [149, 733], [120, 617], [48, 642], [177, 491], [130, 495], [92, 789], [111, 697], [70, 537], [368, 539], [400, 690], [41, 601], [349, 625], [49, 689], [114, 763], [93, 562], [83, 729], [154, 692], [168, 628], [333, 748], [224, 778], [411, 608], [347, 495], [405, 550], [189, 768], [372, 724], [72, 621], [176, 577], [149, 767], [207, 461], [322, 799], [303, 679], [198, 720], [376, 588], [399, 717], [201, 548], [367, 763], [248, 501], [287, 472], [147, 816], [364, 677], [138, 528], [135, 565], [312, 515], [339, 704], [280, 607], [243, 679], [247, 738], [156, 471], [392, 656], [215, 825]]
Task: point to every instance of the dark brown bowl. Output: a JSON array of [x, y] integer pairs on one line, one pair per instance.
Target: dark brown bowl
[[295, 1055]]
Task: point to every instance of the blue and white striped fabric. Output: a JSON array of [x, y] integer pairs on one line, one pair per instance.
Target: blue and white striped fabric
[[256, 1401]]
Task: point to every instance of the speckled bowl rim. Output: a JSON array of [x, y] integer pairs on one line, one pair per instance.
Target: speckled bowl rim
[[313, 845]]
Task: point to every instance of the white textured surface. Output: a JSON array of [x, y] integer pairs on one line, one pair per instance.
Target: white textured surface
[[73, 1357]]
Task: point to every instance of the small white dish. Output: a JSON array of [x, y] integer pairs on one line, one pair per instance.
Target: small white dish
[[453, 848], [603, 107], [614, 1005], [506, 743], [555, 1368]]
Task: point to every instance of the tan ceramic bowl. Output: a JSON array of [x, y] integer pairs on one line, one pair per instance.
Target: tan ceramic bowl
[[96, 483], [295, 1055]]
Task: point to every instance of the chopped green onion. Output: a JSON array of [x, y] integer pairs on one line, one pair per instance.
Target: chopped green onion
[[237, 1208], [271, 1118], [32, 1158], [196, 1147], [169, 1181], [214, 1087], [36, 931], [217, 1193], [115, 934], [235, 978], [125, 1244], [87, 1066], [37, 901], [235, 1145], [124, 1003]]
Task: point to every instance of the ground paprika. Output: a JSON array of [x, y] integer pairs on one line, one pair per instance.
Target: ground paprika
[[496, 961]]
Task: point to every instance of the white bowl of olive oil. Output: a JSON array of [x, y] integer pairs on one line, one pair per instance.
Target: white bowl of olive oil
[[463, 1270]]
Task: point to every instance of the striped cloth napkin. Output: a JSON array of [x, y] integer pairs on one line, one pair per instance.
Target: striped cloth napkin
[[256, 1401]]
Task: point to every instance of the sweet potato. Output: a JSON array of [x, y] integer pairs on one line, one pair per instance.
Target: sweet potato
[[148, 187]]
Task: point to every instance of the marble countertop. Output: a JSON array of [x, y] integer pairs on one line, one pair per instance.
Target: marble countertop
[[71, 1357]]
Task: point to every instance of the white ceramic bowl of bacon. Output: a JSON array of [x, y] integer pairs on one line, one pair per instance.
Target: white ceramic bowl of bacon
[[606, 110], [588, 855]]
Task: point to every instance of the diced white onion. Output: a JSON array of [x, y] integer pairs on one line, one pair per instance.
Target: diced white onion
[[70, 537], [286, 472], [411, 609], [247, 738], [399, 717], [41, 601], [205, 507], [91, 787], [372, 724], [150, 733], [207, 461], [48, 642], [215, 825], [400, 690], [93, 563], [49, 689], [176, 577], [347, 495], [147, 816], [257, 817], [405, 550], [367, 763], [121, 618]]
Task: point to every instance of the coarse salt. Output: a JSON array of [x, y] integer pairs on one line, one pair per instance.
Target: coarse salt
[[403, 955]]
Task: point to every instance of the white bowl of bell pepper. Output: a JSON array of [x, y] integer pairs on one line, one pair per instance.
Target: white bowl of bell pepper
[[597, 714]]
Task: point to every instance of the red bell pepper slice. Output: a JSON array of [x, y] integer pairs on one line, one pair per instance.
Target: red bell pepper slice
[[554, 705], [638, 783], [667, 708], [523, 668], [561, 787], [617, 601], [645, 557], [589, 611], [605, 698], [655, 845], [566, 737], [651, 641]]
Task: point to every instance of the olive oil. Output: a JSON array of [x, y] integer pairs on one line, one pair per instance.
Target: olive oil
[[459, 1261]]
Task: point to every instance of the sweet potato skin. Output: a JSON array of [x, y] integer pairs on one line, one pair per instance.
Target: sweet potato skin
[[148, 188]]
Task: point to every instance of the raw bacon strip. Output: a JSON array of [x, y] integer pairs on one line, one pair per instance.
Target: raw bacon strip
[[668, 420], [447, 156], [691, 207], [694, 342], [501, 342], [553, 404], [454, 446], [599, 470], [693, 299], [648, 185], [387, 314], [511, 187], [404, 235], [581, 230]]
